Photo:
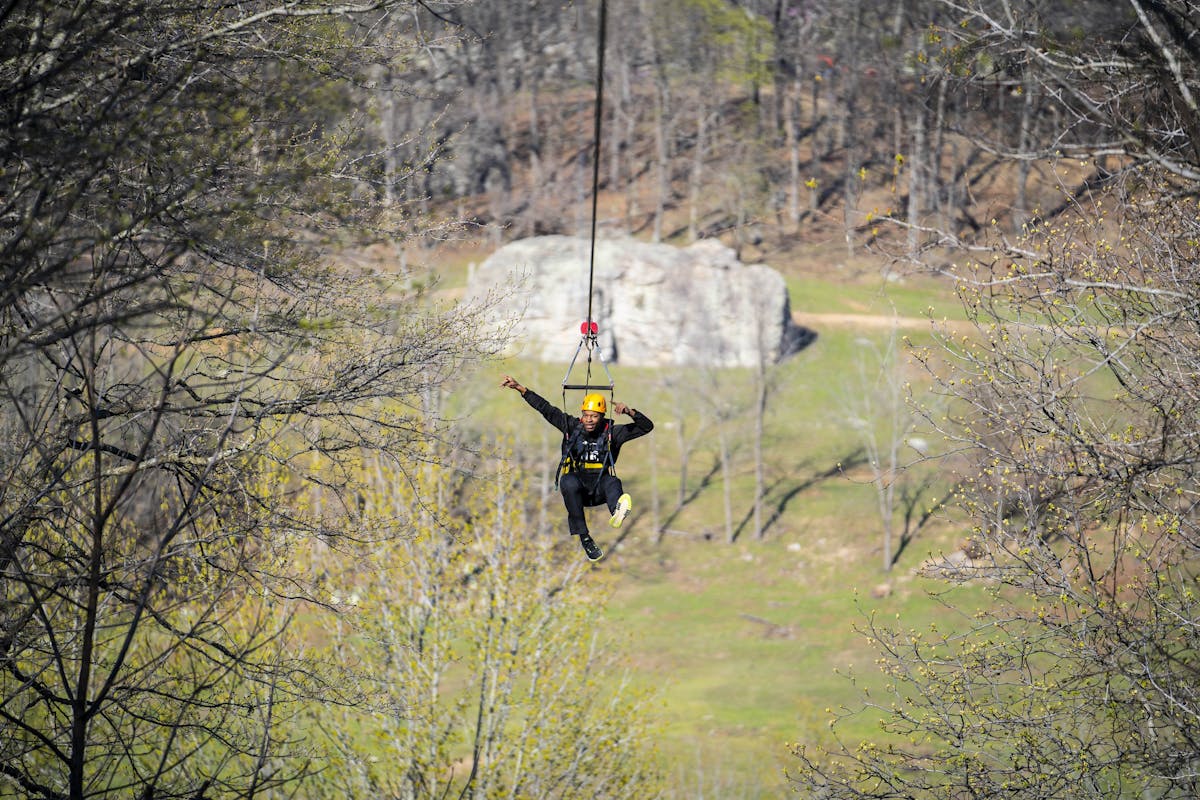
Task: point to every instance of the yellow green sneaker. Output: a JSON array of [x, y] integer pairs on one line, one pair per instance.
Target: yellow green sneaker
[[623, 505]]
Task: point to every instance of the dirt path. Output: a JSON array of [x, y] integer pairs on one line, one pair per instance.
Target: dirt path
[[818, 321]]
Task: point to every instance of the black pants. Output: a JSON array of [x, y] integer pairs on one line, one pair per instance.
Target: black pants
[[580, 493]]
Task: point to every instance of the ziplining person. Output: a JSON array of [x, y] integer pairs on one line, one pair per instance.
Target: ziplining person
[[591, 444], [586, 474]]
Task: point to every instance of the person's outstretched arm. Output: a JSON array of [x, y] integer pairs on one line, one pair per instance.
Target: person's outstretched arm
[[553, 415]]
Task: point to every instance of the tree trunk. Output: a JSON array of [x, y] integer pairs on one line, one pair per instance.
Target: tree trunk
[[696, 178], [655, 502], [760, 415], [849, 119], [683, 462], [917, 168], [932, 183], [1024, 146], [387, 123], [791, 115], [662, 111], [726, 478]]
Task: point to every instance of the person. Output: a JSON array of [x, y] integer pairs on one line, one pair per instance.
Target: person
[[591, 444]]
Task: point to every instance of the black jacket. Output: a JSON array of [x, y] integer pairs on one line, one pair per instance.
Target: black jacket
[[587, 446]]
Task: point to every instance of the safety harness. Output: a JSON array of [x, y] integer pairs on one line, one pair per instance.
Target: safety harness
[[585, 460]]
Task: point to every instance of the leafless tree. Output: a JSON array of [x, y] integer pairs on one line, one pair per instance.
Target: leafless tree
[[1074, 399], [879, 412], [178, 361]]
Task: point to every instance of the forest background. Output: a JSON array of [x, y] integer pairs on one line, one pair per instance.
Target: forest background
[[258, 537]]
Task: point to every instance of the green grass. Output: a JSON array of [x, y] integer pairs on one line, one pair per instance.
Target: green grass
[[751, 645], [909, 297]]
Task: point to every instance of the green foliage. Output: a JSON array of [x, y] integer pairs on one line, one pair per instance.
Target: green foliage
[[715, 37], [483, 662]]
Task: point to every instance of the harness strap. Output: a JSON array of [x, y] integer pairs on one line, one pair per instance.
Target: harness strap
[[568, 462]]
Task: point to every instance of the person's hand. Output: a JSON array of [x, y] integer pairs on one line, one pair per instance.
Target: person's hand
[[511, 383], [621, 408]]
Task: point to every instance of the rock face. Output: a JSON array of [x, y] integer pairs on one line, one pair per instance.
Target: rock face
[[656, 305]]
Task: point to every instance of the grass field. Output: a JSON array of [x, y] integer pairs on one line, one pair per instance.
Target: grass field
[[750, 643]]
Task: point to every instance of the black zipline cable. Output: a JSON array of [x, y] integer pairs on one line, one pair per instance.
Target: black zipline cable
[[596, 153], [587, 329]]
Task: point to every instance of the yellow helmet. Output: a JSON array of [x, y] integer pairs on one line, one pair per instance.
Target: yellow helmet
[[594, 402]]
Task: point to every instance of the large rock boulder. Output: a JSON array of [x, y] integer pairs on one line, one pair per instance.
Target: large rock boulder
[[656, 305]]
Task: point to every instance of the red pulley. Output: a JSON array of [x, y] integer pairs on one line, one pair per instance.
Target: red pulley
[[589, 328]]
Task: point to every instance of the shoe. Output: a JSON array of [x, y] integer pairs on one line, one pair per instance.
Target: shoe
[[623, 505], [594, 553]]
